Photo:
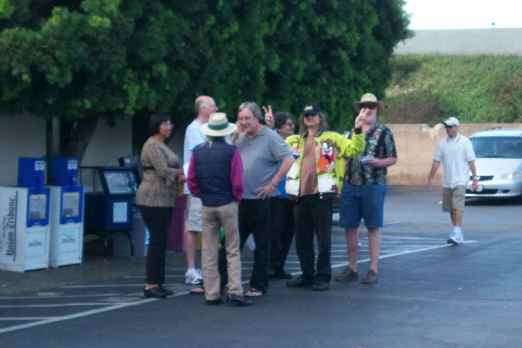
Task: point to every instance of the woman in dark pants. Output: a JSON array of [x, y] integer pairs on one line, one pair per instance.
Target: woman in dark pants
[[155, 198]]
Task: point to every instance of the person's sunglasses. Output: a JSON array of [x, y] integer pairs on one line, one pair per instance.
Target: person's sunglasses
[[368, 106], [448, 127], [310, 114]]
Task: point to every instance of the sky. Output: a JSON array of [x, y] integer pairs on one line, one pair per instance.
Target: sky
[[464, 14]]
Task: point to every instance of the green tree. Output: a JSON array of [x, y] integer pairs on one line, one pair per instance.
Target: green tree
[[81, 60], [331, 52]]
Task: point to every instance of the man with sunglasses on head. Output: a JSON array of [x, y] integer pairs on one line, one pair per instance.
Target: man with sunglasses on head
[[365, 187], [458, 159], [314, 182]]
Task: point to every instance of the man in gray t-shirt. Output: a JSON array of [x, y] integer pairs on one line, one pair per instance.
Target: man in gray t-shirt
[[266, 159], [262, 155]]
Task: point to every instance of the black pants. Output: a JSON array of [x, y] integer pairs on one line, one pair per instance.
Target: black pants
[[254, 217], [157, 220], [314, 215], [282, 232]]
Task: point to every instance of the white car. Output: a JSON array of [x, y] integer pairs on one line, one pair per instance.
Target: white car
[[499, 163]]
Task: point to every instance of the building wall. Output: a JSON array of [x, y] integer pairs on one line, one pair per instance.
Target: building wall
[[464, 41], [108, 143], [416, 144], [106, 146], [25, 136], [20, 136]]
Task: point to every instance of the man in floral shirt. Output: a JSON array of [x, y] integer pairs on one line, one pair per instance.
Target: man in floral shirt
[[365, 188]]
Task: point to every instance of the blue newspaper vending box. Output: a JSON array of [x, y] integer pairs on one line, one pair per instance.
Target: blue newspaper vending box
[[24, 242], [112, 209], [67, 201]]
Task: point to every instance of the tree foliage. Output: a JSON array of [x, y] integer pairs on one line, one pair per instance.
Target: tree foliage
[[79, 59]]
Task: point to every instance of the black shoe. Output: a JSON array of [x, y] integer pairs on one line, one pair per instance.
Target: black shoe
[[452, 241], [321, 286], [167, 292], [299, 282], [370, 278], [238, 301], [280, 274], [156, 292], [215, 302], [347, 275]]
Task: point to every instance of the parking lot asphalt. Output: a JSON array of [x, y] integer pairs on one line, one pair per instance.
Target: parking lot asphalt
[[429, 295]]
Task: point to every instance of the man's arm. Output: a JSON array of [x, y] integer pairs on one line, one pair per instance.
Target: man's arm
[[434, 167], [236, 176], [474, 180], [192, 179], [390, 153], [266, 191]]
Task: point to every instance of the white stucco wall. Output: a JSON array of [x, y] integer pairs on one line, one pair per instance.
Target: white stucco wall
[[25, 136], [109, 143], [20, 136]]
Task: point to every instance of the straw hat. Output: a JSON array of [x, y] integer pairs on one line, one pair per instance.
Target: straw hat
[[218, 125], [369, 99]]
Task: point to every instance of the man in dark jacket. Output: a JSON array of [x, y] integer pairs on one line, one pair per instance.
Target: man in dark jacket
[[216, 177]]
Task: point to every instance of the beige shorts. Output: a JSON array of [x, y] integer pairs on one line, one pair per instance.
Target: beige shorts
[[194, 214], [453, 199]]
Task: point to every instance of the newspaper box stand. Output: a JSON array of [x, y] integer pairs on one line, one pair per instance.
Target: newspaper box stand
[[67, 199], [24, 219], [110, 211]]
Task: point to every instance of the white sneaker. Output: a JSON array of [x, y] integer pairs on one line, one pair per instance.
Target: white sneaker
[[193, 277], [459, 236], [452, 237]]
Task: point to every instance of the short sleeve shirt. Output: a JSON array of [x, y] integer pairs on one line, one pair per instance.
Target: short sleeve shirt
[[455, 155], [261, 156], [380, 144], [193, 137]]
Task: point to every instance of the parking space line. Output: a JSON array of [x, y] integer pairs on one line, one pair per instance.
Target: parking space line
[[5, 298], [53, 305], [78, 315], [121, 285], [26, 318], [171, 276], [337, 255]]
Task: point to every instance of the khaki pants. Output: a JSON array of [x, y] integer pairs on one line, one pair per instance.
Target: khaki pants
[[225, 216], [453, 198]]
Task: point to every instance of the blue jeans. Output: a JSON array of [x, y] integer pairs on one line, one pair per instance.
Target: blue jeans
[[362, 202]]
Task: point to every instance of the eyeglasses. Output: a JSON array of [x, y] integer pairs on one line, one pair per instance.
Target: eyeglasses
[[368, 106]]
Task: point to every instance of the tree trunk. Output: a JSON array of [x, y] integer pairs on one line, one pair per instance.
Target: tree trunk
[[76, 136]]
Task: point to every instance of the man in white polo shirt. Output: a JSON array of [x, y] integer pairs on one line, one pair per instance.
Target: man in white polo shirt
[[204, 106], [458, 159]]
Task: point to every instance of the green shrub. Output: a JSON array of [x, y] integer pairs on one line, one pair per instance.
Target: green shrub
[[480, 88]]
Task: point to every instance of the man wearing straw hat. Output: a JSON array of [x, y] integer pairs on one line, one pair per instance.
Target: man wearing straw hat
[[216, 177], [365, 187]]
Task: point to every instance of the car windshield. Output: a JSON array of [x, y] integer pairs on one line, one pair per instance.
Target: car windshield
[[497, 147]]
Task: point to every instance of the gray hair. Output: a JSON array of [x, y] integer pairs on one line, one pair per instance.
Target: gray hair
[[202, 101], [254, 109]]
